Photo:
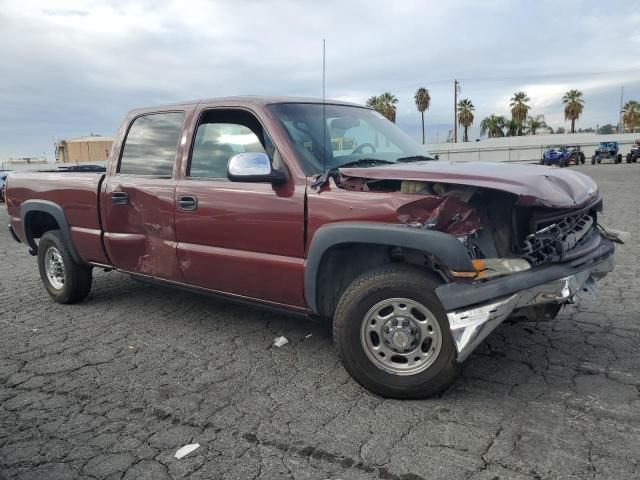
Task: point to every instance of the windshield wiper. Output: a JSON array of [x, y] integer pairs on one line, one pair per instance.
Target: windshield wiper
[[414, 158], [362, 162]]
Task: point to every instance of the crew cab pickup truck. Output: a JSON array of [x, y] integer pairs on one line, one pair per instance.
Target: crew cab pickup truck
[[325, 209]]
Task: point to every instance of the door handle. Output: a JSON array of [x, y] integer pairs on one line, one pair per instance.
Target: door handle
[[187, 203], [119, 198]]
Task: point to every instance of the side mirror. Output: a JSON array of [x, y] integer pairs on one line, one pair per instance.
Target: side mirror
[[253, 167]]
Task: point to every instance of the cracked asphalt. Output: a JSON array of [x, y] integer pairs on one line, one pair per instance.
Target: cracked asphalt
[[112, 387]]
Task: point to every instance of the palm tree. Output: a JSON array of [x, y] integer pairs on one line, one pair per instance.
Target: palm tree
[[631, 115], [534, 123], [423, 102], [384, 104], [465, 116], [512, 127], [519, 109], [573, 106], [374, 102], [492, 126], [389, 102]]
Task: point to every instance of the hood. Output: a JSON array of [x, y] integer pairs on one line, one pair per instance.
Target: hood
[[536, 185]]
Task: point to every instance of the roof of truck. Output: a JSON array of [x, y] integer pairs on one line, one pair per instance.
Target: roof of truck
[[250, 100]]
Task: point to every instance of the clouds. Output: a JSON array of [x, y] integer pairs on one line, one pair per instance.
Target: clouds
[[74, 67]]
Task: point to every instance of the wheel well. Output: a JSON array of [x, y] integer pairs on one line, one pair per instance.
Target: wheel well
[[38, 223], [342, 264]]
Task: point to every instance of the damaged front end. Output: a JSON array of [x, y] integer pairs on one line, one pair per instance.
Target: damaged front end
[[529, 257]]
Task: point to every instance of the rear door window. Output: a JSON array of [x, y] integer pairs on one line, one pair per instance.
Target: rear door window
[[151, 145]]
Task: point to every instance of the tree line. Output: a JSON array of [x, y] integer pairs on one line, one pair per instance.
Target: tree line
[[520, 123]]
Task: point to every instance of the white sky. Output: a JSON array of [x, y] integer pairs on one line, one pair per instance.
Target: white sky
[[74, 67]]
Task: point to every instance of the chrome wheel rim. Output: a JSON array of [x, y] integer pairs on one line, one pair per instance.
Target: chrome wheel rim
[[54, 267], [401, 336]]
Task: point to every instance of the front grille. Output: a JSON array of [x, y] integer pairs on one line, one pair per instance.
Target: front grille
[[552, 242]]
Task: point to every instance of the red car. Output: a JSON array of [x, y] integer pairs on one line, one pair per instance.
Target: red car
[[328, 210]]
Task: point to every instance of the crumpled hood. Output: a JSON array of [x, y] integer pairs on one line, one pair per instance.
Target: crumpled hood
[[534, 184]]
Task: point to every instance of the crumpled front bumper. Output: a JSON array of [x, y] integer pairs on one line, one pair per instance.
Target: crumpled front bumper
[[471, 325]]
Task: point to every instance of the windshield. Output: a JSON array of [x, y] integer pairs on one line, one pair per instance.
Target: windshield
[[347, 135], [608, 145]]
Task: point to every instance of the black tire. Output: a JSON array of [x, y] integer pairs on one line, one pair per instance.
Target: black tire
[[582, 158], [575, 158], [76, 283], [628, 158], [619, 158], [634, 159], [393, 281], [593, 160]]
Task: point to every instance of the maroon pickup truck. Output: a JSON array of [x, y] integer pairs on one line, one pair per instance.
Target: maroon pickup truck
[[329, 210]]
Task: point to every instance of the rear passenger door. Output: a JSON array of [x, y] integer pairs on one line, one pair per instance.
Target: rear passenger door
[[138, 200], [240, 238]]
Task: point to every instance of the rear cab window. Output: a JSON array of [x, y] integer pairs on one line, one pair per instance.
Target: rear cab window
[[151, 145]]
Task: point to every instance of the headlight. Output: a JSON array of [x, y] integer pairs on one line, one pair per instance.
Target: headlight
[[494, 267]]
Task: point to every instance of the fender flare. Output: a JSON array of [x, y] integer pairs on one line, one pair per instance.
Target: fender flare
[[57, 213], [445, 247]]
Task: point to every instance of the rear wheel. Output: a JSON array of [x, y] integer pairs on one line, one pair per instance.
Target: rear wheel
[[593, 160], [628, 158], [619, 158], [392, 333], [582, 158], [65, 280]]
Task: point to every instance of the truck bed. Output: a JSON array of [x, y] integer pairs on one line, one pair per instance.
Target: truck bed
[[75, 192]]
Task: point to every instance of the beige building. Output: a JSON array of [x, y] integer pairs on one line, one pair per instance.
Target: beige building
[[94, 148]]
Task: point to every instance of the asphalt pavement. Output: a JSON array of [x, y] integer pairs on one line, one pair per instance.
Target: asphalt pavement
[[111, 388]]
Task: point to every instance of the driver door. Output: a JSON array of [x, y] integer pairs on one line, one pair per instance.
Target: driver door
[[240, 238]]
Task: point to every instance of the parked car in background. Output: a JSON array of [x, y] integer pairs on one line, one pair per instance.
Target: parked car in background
[[556, 155], [634, 154], [607, 151], [3, 178], [328, 210], [576, 155]]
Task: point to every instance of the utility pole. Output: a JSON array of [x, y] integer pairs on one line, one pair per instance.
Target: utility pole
[[620, 128], [455, 111]]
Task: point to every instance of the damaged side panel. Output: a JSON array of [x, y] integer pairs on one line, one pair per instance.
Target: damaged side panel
[[447, 212]]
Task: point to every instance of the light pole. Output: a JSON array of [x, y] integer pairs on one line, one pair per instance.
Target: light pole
[[455, 110]]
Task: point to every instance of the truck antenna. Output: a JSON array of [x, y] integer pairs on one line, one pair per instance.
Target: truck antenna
[[324, 114]]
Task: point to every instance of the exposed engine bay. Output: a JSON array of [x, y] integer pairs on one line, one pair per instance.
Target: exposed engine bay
[[492, 224]]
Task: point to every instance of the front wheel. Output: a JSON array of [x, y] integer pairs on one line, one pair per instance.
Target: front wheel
[[593, 160], [65, 280], [619, 158], [628, 158], [392, 333]]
